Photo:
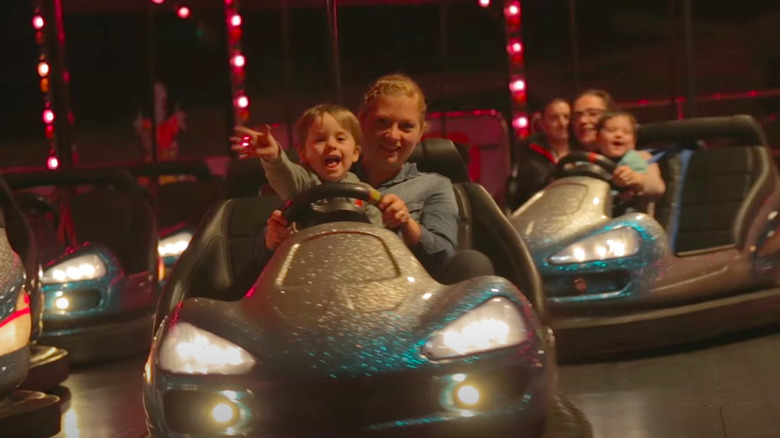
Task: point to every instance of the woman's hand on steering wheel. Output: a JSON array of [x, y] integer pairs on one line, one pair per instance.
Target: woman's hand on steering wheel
[[395, 213]]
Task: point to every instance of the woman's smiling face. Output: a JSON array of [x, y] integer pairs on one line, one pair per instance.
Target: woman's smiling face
[[391, 130]]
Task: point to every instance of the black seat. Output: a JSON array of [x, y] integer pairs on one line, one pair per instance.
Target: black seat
[[713, 193], [220, 253], [484, 227]]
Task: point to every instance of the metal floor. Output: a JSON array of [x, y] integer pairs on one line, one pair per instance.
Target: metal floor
[[729, 389]]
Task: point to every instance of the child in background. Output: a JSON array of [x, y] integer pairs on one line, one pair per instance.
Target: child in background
[[330, 139], [616, 137]]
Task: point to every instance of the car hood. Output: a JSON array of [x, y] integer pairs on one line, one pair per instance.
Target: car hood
[[295, 336]]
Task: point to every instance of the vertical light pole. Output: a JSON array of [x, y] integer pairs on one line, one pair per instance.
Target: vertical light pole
[[517, 80], [57, 114], [237, 62]]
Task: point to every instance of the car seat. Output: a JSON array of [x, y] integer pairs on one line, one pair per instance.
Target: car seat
[[719, 190]]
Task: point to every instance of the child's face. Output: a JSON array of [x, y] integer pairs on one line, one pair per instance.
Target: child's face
[[329, 149], [617, 137]]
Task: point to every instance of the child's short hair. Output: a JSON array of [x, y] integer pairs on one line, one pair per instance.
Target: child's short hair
[[343, 116], [396, 84], [612, 114]]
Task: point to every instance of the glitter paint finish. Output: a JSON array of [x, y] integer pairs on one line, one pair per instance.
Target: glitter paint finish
[[11, 276], [13, 365], [345, 308]]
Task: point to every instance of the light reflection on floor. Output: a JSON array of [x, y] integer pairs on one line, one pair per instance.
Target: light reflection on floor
[[104, 401]]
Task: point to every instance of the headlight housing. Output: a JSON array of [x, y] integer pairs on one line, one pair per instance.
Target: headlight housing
[[495, 324], [187, 349], [620, 242], [174, 245], [79, 268]]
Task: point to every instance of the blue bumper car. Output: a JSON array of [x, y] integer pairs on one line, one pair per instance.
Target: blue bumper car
[[703, 264], [98, 240]]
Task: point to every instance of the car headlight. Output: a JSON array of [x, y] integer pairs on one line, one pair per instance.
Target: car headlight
[[83, 267], [620, 242], [492, 325], [187, 349], [174, 245]]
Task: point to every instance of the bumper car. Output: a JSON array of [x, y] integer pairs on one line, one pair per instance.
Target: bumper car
[[343, 333], [49, 366], [706, 263], [22, 412], [97, 237]]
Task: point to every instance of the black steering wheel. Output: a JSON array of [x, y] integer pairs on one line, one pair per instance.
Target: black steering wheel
[[307, 210], [581, 163]]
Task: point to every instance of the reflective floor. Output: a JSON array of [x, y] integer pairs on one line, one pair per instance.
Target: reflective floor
[[730, 389]]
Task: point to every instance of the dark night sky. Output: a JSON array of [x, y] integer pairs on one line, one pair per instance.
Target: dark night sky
[[624, 47]]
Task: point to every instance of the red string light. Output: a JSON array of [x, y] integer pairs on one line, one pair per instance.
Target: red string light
[[516, 62]]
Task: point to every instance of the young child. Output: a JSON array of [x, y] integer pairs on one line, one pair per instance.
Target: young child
[[329, 138], [616, 137]]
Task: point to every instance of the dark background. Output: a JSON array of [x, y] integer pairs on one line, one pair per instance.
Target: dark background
[[633, 48]]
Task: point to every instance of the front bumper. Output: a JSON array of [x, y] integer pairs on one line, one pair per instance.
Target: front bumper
[[513, 400]]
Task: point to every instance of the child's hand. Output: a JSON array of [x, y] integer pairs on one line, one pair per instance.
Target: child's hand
[[625, 177], [277, 231], [251, 143]]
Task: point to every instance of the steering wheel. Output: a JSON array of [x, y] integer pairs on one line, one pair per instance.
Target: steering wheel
[[340, 206], [586, 164], [30, 201]]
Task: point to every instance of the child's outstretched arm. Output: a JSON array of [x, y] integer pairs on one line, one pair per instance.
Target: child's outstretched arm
[[250, 143], [285, 177]]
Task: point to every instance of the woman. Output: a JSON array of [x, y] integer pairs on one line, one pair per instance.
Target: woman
[[586, 111], [421, 206]]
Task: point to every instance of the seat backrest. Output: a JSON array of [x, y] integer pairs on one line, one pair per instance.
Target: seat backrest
[[123, 221], [220, 253], [439, 155], [722, 191]]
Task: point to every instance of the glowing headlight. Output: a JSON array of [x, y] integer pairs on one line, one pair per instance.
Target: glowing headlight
[[174, 245], [620, 242], [85, 267], [495, 324], [187, 349]]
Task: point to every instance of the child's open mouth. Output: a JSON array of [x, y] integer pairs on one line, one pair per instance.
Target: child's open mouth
[[332, 162]]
